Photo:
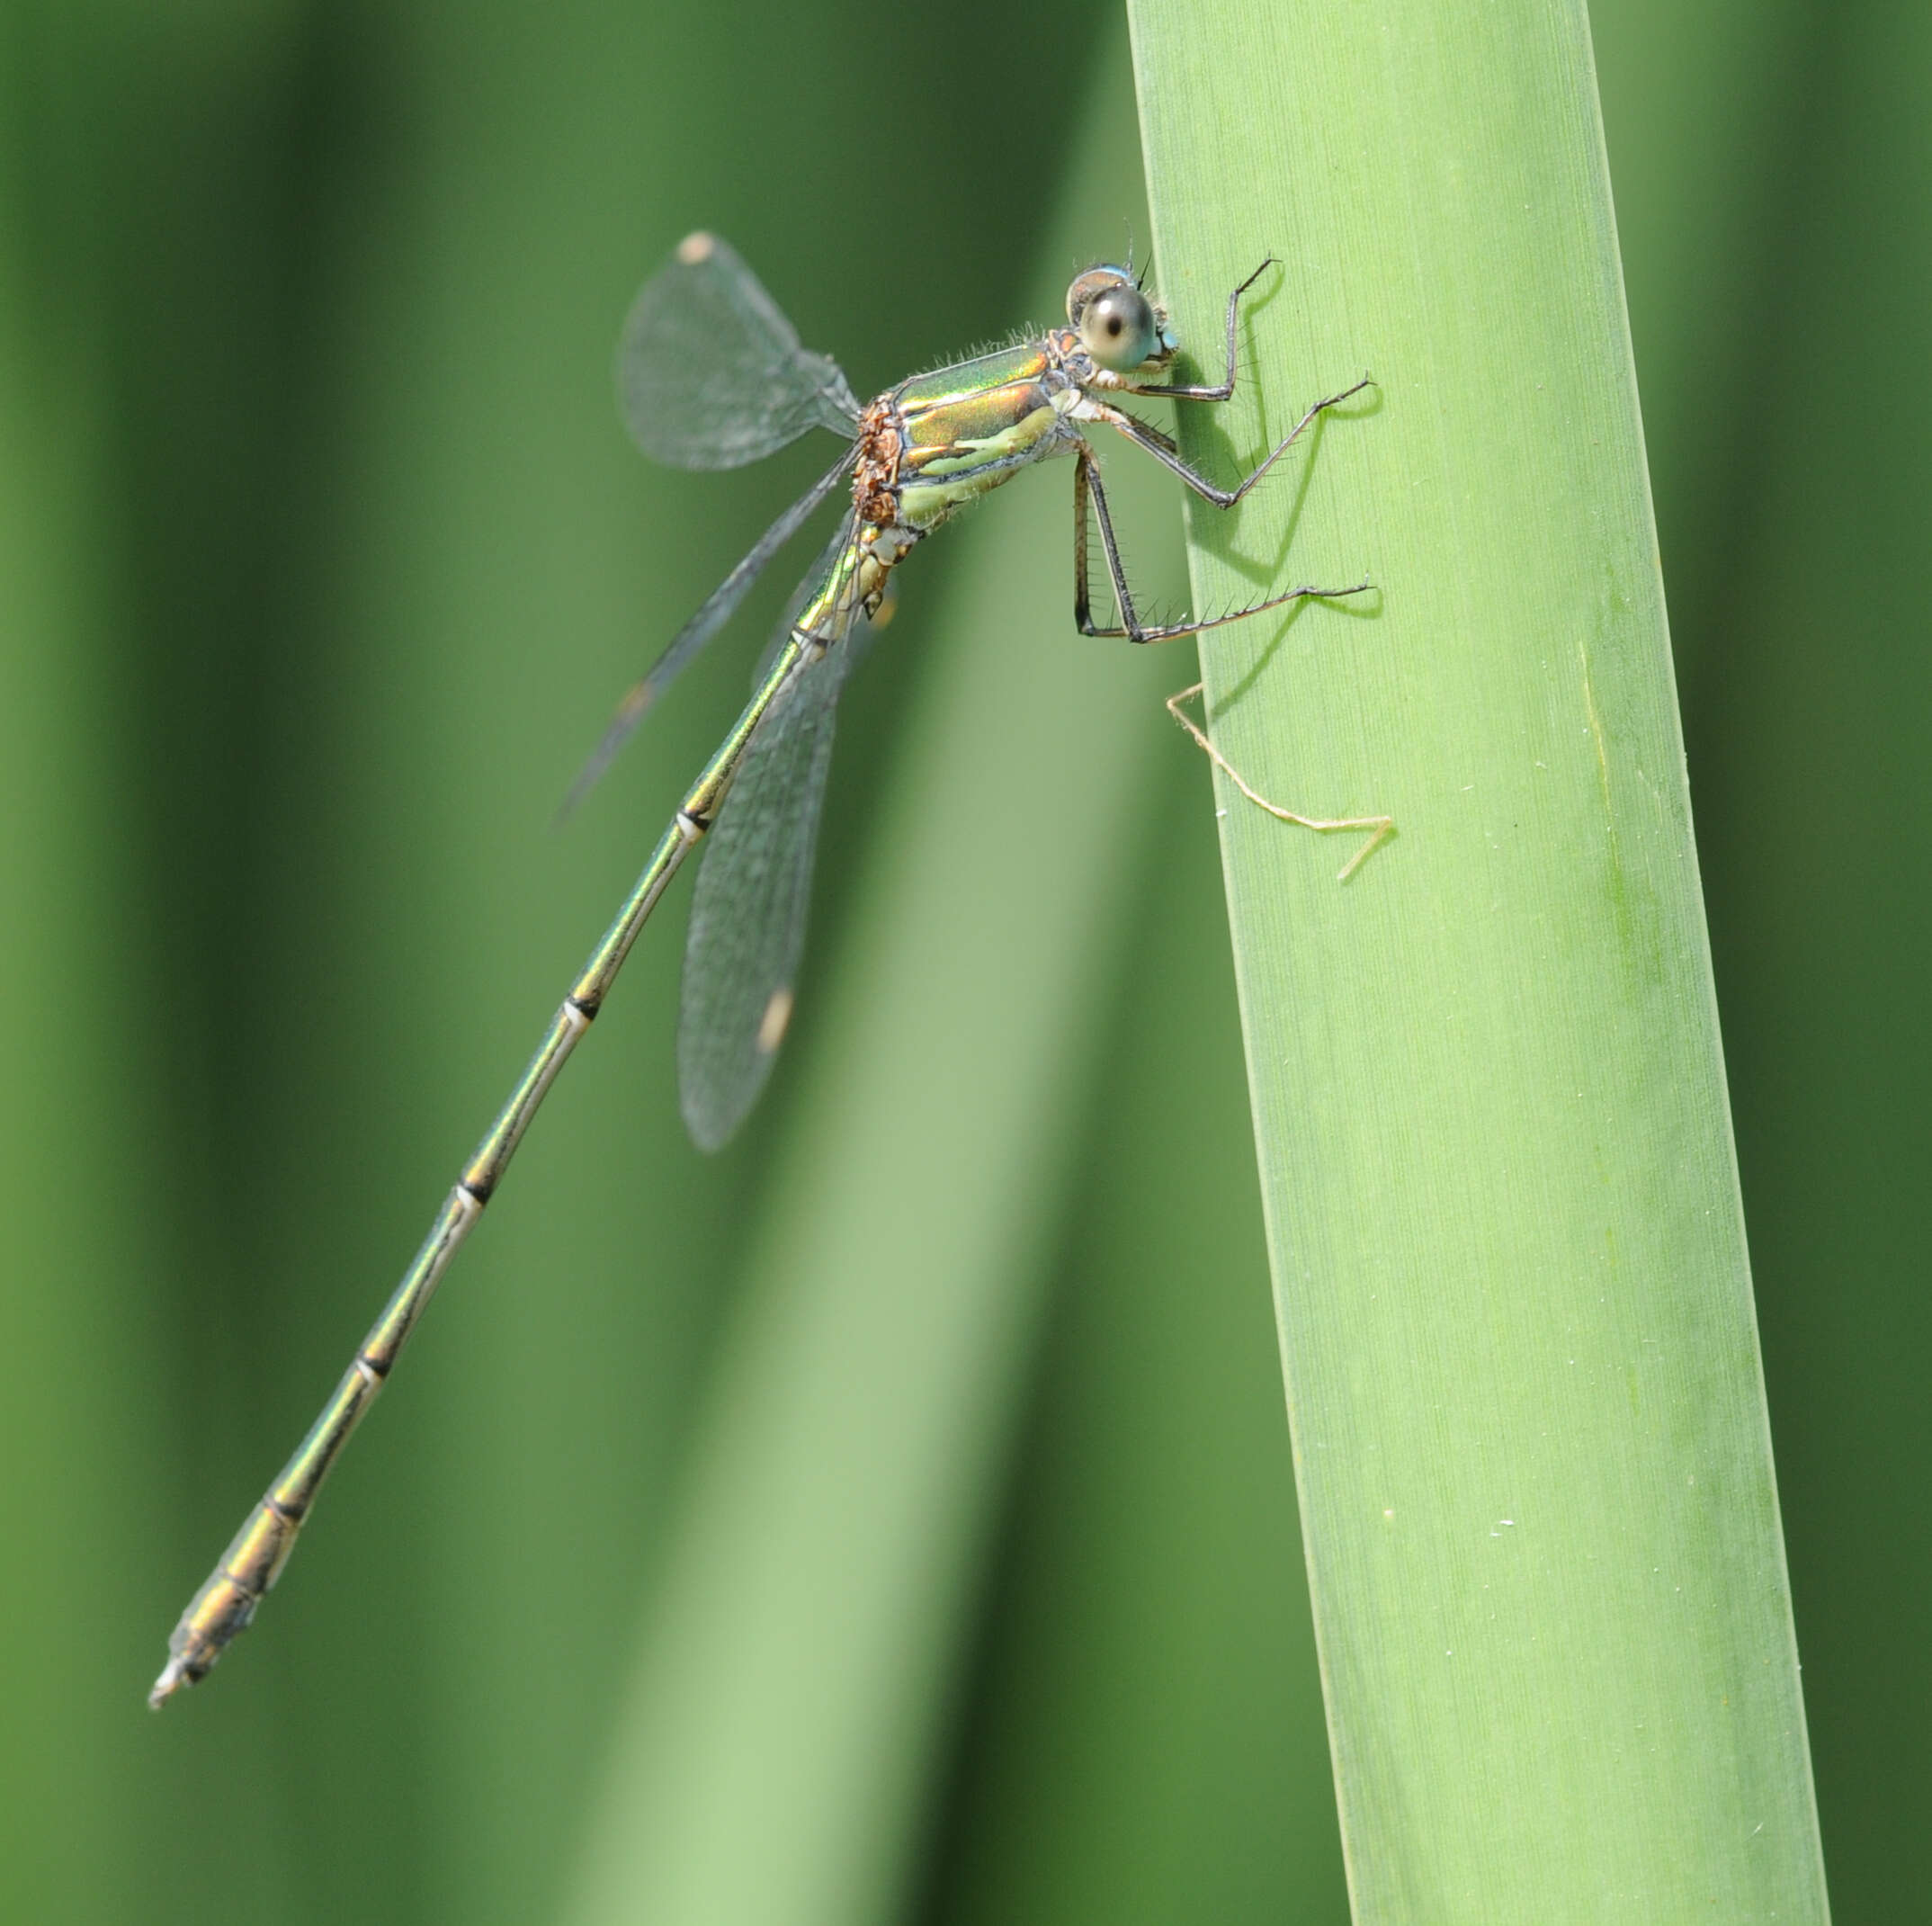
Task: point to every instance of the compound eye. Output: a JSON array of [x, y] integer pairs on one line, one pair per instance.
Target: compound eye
[[1117, 328]]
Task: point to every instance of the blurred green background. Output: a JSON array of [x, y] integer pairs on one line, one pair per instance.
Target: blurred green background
[[322, 558]]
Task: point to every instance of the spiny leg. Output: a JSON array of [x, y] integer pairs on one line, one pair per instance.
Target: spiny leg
[[1161, 447], [1086, 483], [1086, 480], [1382, 827], [1226, 386]]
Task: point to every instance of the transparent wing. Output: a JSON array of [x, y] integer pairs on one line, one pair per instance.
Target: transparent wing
[[710, 373], [717, 609], [748, 913]]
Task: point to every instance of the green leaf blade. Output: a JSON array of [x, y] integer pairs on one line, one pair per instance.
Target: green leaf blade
[[1488, 1089]]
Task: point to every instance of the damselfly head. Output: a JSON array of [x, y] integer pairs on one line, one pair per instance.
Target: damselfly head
[[1120, 326]]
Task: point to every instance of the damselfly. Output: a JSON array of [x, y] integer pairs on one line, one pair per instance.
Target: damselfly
[[712, 375]]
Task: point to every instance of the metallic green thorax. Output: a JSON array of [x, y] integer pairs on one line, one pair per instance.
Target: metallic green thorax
[[942, 440]]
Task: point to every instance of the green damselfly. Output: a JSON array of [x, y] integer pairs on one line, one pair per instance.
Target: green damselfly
[[712, 375]]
